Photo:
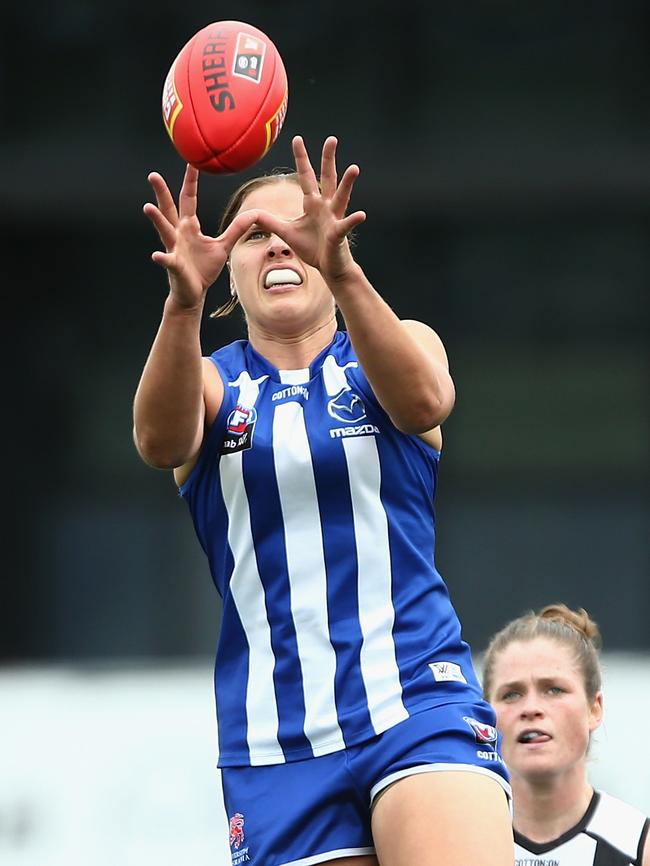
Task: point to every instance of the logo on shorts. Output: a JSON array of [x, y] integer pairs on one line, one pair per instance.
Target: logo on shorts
[[239, 430], [447, 672], [236, 830], [485, 734]]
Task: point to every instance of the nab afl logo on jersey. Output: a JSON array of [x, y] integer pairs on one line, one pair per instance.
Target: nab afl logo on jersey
[[239, 430]]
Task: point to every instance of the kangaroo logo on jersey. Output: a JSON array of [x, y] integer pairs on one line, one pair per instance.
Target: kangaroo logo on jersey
[[239, 430], [347, 407], [485, 734]]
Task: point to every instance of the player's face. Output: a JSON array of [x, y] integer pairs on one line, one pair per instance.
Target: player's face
[[543, 711], [277, 290]]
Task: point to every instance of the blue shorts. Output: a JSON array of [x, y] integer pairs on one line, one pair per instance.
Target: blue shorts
[[307, 812]]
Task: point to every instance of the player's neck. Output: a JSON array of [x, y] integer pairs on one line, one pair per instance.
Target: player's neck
[[545, 809], [293, 351]]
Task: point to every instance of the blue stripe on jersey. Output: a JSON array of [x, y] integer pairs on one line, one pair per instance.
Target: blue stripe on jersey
[[231, 677]]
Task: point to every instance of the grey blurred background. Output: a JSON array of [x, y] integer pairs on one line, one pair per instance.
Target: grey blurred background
[[505, 171]]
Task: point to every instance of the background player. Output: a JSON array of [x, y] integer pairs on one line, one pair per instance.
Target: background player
[[542, 675]]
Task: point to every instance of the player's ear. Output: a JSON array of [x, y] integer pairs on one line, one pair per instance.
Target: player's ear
[[596, 712]]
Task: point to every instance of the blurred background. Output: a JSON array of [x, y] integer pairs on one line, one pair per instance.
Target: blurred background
[[505, 171]]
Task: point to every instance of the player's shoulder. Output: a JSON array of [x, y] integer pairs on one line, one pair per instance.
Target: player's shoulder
[[426, 336], [232, 355], [610, 804], [415, 326], [619, 823]]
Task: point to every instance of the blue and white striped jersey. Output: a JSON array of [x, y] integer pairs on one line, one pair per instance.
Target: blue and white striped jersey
[[317, 518]]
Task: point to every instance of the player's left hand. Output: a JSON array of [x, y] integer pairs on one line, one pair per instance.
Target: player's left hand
[[319, 236]]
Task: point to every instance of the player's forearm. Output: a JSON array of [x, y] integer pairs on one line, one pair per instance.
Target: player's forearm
[[415, 389], [168, 409]]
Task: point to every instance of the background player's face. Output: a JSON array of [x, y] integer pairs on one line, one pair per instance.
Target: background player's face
[[287, 308], [542, 708]]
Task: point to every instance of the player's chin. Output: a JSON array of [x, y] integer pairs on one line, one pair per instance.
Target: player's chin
[[533, 764]]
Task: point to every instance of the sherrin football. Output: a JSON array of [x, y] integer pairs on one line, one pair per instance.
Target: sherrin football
[[225, 97]]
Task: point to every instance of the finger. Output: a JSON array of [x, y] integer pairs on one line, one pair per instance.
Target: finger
[[164, 197], [189, 192], [341, 198], [165, 260], [270, 223], [304, 169], [345, 226], [165, 229], [237, 229], [328, 168]]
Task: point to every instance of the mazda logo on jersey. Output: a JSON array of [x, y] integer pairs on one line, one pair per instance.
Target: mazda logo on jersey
[[347, 407], [239, 430]]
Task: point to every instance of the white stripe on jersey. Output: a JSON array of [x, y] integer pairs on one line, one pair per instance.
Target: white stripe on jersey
[[376, 613], [294, 377], [307, 576], [248, 594]]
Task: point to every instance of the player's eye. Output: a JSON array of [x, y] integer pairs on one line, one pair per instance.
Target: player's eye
[[510, 695], [256, 235]]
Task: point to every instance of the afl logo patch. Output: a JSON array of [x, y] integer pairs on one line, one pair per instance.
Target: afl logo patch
[[484, 734], [239, 430]]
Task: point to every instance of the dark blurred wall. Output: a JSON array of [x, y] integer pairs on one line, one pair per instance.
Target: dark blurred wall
[[505, 169]]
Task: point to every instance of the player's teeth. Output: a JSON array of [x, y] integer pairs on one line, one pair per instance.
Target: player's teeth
[[282, 275]]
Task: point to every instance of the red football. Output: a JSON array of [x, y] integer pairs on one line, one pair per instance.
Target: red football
[[225, 97]]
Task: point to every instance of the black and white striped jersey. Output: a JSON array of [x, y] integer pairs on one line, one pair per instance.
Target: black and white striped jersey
[[610, 833]]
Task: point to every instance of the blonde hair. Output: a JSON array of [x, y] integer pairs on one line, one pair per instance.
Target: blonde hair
[[573, 628]]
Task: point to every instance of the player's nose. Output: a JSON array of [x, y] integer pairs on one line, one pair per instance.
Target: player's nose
[[531, 707], [277, 247]]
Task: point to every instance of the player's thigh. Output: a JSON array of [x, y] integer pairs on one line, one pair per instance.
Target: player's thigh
[[451, 818]]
